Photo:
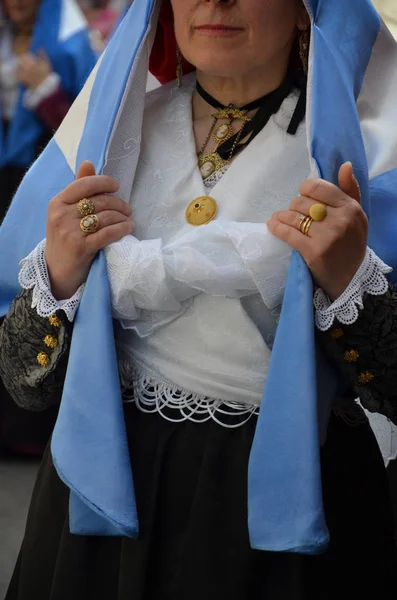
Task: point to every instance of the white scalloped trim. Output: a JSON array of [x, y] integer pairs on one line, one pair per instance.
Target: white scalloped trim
[[34, 275], [153, 394], [369, 279]]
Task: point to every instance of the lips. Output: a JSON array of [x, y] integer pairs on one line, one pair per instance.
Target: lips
[[217, 27]]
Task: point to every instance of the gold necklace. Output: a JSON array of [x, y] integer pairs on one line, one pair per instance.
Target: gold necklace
[[211, 162], [203, 209]]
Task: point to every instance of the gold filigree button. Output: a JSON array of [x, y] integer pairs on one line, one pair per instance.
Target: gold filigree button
[[201, 210], [336, 333], [351, 356], [43, 359], [54, 321], [51, 341], [366, 377]]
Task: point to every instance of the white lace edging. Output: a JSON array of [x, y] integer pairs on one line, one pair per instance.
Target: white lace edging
[[34, 275], [152, 394], [211, 181], [369, 279]]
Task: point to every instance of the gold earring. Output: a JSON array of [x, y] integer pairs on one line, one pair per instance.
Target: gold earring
[[304, 49], [179, 68]]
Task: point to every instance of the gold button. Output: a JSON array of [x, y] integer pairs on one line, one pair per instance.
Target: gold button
[[55, 322], [43, 359], [51, 341], [351, 356], [336, 333], [366, 377], [201, 210]]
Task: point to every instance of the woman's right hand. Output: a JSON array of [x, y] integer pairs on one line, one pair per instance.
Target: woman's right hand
[[69, 251]]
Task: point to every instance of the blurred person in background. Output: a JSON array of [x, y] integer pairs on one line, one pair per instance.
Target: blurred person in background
[[103, 17], [45, 59]]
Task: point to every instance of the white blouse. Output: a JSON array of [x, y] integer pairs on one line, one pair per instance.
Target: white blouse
[[198, 307]]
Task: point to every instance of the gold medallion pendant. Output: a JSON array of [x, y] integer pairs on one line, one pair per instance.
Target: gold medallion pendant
[[223, 133], [202, 210], [209, 163]]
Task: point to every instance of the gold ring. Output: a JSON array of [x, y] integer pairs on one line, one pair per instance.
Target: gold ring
[[86, 207], [89, 224], [318, 212], [305, 225]]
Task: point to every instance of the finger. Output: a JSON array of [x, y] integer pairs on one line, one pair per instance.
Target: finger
[[348, 183], [42, 55], [86, 187], [108, 235], [323, 191], [23, 58], [294, 219], [29, 60], [106, 202], [302, 204], [86, 169], [290, 235]]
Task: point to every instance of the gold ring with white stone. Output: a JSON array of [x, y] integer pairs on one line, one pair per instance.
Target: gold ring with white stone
[[89, 224], [86, 207]]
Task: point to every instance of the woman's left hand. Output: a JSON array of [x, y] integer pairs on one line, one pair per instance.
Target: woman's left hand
[[335, 247], [33, 69]]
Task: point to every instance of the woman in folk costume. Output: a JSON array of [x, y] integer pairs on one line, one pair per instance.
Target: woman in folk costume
[[45, 59], [171, 473]]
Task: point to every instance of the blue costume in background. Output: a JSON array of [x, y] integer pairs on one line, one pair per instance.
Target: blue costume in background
[[61, 32]]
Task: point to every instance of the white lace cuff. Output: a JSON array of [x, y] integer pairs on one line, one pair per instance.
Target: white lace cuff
[[369, 279], [34, 275]]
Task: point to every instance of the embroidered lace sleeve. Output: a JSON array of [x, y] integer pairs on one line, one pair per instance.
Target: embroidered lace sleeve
[[34, 354], [369, 279], [34, 276], [366, 353]]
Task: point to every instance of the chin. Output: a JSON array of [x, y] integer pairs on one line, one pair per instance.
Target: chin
[[218, 57], [221, 67]]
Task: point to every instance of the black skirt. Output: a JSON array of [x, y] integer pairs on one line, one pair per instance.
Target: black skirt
[[191, 487]]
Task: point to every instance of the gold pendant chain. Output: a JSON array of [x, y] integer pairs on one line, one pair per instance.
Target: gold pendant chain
[[211, 162], [203, 209], [207, 139]]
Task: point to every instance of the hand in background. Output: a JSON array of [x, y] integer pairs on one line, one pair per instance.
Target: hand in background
[[33, 69]]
